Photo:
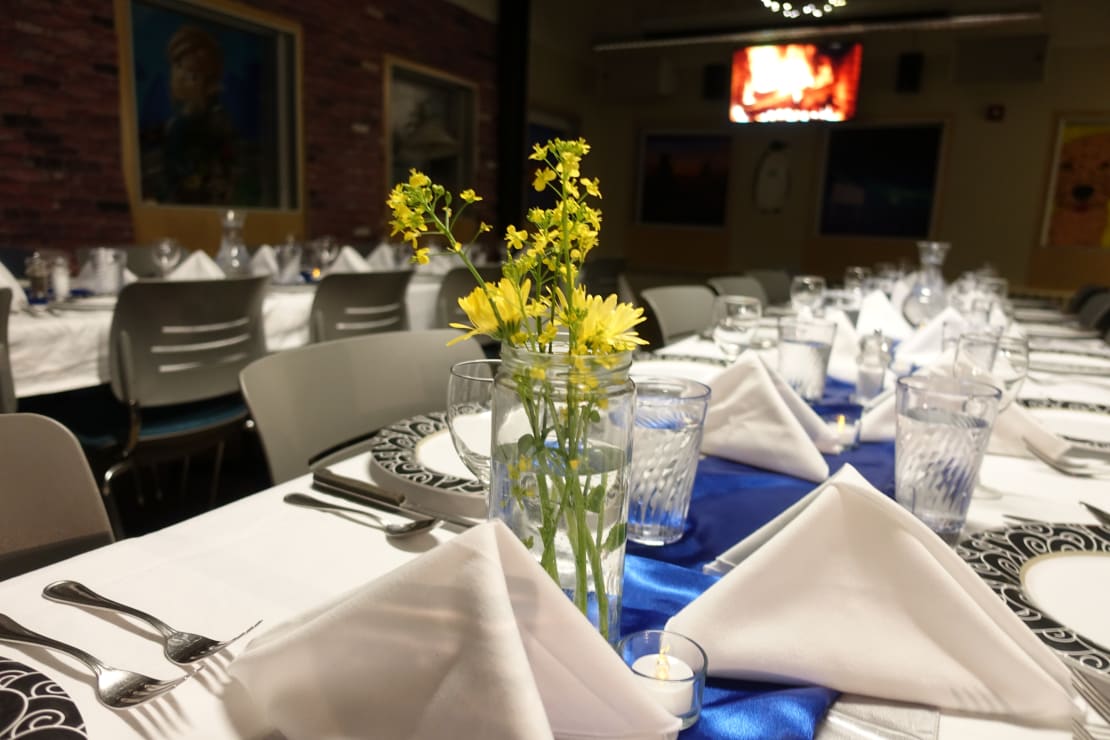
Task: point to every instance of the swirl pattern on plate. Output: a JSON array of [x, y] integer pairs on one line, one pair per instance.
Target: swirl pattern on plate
[[999, 556], [394, 449], [34, 706]]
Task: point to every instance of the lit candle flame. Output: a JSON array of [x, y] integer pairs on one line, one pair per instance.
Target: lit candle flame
[[662, 665], [840, 421], [315, 273]]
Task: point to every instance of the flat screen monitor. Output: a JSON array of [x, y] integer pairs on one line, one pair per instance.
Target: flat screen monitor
[[795, 82]]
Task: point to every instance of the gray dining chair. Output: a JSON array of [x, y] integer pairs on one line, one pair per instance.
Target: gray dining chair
[[738, 285], [174, 355], [350, 304], [51, 508], [7, 382], [1095, 312], [312, 401], [776, 284], [679, 310], [457, 283]]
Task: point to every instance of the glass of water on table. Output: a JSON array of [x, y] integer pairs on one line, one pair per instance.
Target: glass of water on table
[[735, 320], [804, 349]]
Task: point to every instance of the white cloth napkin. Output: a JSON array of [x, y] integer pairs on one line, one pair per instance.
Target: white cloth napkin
[[197, 266], [386, 257], [1014, 426], [847, 589], [757, 419], [348, 260], [925, 344], [472, 639], [86, 279], [19, 297], [844, 358], [264, 261], [901, 290], [876, 312]]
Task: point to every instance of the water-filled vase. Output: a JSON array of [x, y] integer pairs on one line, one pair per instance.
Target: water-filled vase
[[927, 296]]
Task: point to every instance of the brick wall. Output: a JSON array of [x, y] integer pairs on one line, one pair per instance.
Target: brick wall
[[61, 180]]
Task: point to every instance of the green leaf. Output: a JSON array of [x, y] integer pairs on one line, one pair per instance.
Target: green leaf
[[595, 498], [616, 537], [529, 541], [595, 416], [526, 444]]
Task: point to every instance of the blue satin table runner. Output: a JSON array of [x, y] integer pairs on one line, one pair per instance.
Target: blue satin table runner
[[730, 501]]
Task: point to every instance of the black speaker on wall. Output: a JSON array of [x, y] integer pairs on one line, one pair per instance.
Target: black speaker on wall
[[908, 76], [714, 82]]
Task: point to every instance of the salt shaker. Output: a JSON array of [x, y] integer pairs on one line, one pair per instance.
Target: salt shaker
[[59, 278], [874, 357], [37, 270]]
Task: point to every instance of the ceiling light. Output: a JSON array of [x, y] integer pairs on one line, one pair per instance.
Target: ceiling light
[[799, 8]]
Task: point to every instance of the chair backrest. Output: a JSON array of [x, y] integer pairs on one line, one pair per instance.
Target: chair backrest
[[776, 284], [599, 275], [350, 304], [1095, 311], [458, 282], [1082, 295], [738, 285], [7, 383], [179, 341], [51, 508], [679, 310], [322, 397]]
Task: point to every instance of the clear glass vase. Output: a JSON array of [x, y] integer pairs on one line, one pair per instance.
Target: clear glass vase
[[562, 437], [927, 296]]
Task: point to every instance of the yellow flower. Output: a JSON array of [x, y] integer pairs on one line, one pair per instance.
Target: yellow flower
[[418, 179], [494, 309], [515, 237], [543, 177], [608, 326], [469, 196], [420, 256]]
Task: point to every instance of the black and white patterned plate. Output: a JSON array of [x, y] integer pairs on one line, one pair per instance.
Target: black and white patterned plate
[[34, 706], [393, 456], [1033, 404], [1000, 556]]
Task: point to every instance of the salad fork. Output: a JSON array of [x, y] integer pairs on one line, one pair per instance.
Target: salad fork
[[179, 647], [1078, 469], [115, 687]]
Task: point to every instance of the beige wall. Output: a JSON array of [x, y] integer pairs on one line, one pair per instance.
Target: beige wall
[[993, 176]]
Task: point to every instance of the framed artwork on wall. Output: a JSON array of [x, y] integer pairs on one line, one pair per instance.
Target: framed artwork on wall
[[683, 179], [210, 98], [1077, 196], [881, 180], [431, 122]]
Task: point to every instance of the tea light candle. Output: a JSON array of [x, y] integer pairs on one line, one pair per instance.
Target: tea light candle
[[844, 430], [668, 680]]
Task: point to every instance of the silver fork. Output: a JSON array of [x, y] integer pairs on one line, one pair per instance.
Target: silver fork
[[115, 687], [1098, 697], [1076, 469], [179, 647]]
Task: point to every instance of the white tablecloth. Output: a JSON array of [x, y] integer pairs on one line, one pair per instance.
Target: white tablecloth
[[68, 349]]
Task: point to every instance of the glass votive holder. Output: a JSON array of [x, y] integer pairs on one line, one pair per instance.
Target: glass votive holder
[[670, 667], [844, 427]]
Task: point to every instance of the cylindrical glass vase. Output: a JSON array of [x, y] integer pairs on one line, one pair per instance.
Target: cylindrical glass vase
[[562, 437]]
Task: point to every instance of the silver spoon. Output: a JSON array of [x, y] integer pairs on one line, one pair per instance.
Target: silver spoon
[[407, 529]]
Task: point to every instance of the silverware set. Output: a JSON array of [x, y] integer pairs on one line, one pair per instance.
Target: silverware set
[[115, 687], [1075, 467], [1095, 690]]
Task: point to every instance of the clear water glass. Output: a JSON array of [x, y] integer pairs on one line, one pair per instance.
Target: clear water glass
[[943, 427], [804, 349], [735, 320], [807, 293], [167, 253], [666, 438], [469, 415], [856, 278], [1002, 361]]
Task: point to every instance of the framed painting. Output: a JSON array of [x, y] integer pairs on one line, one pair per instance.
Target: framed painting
[[431, 122], [1078, 193], [211, 110], [683, 179], [881, 181]]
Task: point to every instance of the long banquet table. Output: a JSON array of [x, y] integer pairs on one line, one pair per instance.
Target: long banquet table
[[67, 348], [260, 559]]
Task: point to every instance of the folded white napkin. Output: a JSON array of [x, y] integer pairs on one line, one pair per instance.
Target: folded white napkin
[[19, 297], [386, 257], [472, 639], [348, 260], [757, 419], [87, 279], [901, 290], [844, 358], [876, 312], [196, 266], [1014, 426], [847, 589], [264, 261], [925, 344]]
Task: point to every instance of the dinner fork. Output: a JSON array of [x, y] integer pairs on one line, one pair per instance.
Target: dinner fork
[[1073, 468], [115, 687], [1098, 697], [179, 647]]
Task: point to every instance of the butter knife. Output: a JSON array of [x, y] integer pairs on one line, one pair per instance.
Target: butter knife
[[1100, 514], [370, 494]]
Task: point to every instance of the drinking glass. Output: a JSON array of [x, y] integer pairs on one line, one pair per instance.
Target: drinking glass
[[167, 253], [804, 349], [943, 426], [670, 668], [807, 293], [735, 320], [855, 278], [1002, 361], [666, 437], [469, 417]]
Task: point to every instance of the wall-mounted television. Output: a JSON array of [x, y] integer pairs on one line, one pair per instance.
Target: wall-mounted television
[[795, 82]]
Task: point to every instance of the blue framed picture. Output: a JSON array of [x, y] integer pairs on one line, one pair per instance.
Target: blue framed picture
[[215, 96], [683, 179]]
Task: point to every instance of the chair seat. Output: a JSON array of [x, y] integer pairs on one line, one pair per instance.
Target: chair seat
[[191, 418]]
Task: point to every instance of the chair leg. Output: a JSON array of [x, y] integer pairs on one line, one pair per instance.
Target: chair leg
[[109, 500], [216, 474]]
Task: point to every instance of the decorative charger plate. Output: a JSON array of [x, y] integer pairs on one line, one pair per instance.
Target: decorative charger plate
[[1055, 331], [1069, 364], [1005, 558], [34, 706], [1066, 418], [426, 480]]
